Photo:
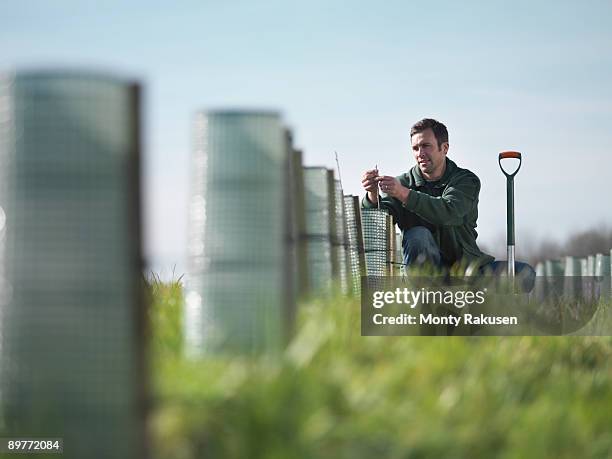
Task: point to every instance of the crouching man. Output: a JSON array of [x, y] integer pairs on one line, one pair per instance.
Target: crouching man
[[435, 205]]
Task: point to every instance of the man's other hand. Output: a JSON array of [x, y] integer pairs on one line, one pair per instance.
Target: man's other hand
[[392, 187]]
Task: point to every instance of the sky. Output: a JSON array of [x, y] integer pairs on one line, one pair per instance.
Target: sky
[[352, 77]]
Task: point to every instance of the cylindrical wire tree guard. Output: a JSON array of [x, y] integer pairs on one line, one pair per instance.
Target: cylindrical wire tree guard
[[320, 210], [298, 217], [399, 256], [602, 273], [587, 270], [591, 265], [555, 280], [71, 306], [295, 269], [573, 281], [584, 271], [339, 239], [354, 233], [378, 236], [540, 290], [238, 249]]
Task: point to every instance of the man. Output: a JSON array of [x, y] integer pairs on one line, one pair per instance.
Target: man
[[435, 205]]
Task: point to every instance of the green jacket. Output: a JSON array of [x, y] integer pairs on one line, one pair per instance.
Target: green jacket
[[448, 207]]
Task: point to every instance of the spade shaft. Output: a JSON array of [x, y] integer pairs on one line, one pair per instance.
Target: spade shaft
[[510, 206]]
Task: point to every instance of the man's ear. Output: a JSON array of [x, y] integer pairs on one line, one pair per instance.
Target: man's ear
[[445, 147]]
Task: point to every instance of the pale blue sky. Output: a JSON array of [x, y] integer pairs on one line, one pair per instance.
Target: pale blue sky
[[352, 77]]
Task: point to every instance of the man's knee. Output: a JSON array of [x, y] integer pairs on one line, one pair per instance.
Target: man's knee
[[418, 237], [419, 246]]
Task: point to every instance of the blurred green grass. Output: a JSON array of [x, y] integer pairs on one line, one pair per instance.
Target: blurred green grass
[[335, 394]]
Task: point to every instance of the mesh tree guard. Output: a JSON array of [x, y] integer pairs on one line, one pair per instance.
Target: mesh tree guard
[[295, 267], [320, 223], [378, 241], [299, 219], [71, 305], [339, 239], [354, 233], [602, 273], [573, 281], [554, 270], [398, 266], [237, 276]]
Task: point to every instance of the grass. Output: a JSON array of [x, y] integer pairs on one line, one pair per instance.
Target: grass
[[335, 394], [165, 316]]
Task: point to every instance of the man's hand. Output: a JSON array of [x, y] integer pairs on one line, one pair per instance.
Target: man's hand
[[370, 184], [392, 187]]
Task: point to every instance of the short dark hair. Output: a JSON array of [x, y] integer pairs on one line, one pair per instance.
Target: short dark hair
[[438, 129]]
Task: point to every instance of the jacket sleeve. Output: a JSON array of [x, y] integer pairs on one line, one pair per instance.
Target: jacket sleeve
[[449, 209], [366, 203]]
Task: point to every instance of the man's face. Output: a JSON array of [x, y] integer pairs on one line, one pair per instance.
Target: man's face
[[430, 158]]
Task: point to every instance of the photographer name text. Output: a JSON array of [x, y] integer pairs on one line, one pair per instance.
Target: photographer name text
[[432, 319]]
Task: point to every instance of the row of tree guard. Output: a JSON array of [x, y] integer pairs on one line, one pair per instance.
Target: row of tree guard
[[589, 277], [266, 231]]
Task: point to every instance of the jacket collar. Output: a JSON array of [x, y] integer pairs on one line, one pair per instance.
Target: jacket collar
[[420, 181]]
